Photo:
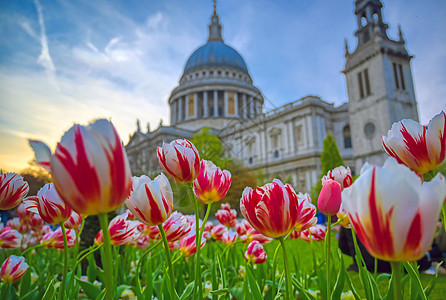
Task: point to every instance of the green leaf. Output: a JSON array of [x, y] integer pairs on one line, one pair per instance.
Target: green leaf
[[101, 295], [89, 288], [254, 287], [91, 270], [121, 289], [303, 293], [50, 292], [187, 291], [352, 288], [148, 292], [339, 285], [25, 283], [220, 292], [431, 285], [382, 277], [415, 280]]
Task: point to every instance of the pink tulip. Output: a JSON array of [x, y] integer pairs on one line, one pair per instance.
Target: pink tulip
[[226, 215], [329, 199], [12, 190], [317, 233], [176, 227], [306, 213], [342, 175], [212, 183], [13, 268], [10, 238], [421, 148], [151, 201], [393, 213], [89, 167], [188, 245], [179, 159], [48, 204], [271, 209], [255, 253]]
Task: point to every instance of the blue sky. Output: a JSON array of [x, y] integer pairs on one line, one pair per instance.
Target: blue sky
[[64, 61]]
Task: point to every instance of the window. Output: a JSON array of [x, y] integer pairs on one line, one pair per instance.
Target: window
[[369, 130], [191, 106], [367, 83], [276, 154], [347, 137], [403, 86], [250, 160], [395, 76], [220, 103], [361, 88], [210, 103], [398, 76], [275, 140], [231, 104]]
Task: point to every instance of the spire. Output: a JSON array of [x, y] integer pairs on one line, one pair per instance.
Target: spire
[[215, 26], [400, 34], [347, 52]]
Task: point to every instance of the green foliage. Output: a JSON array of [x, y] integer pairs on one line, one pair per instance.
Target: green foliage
[[36, 177], [330, 156], [209, 146]]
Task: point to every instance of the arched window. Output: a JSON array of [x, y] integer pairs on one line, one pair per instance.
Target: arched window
[[276, 154], [347, 137]]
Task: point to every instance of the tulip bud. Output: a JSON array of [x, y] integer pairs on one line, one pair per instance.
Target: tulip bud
[[330, 199], [255, 253], [13, 268], [212, 183], [10, 238]]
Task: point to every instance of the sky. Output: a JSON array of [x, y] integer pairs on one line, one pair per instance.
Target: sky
[[64, 62]]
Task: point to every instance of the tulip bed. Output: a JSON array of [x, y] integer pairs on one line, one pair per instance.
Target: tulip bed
[[277, 251]]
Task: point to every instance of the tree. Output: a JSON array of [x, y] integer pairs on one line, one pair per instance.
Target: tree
[[36, 177], [210, 147]]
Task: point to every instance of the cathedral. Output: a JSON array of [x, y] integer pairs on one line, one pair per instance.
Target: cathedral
[[217, 91]]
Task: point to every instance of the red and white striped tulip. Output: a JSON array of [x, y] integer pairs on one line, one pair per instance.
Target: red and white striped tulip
[[340, 174], [212, 183], [317, 232], [393, 213], [10, 238], [218, 231], [226, 215], [242, 227], [122, 231], [188, 245], [23, 214], [48, 204], [229, 237], [330, 199], [151, 201], [55, 238], [13, 268], [254, 235], [179, 159], [208, 226], [36, 223], [306, 213], [421, 148], [295, 234], [176, 227], [255, 253], [74, 221], [12, 190], [271, 209], [90, 168], [15, 223]]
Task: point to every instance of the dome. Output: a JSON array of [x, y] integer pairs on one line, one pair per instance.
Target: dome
[[215, 53]]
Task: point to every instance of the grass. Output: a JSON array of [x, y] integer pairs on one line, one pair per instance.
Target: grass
[[300, 252]]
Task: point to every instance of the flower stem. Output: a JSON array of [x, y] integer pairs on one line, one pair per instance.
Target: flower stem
[[65, 262], [169, 261], [198, 244], [108, 257], [197, 233], [274, 270], [396, 280], [138, 265], [328, 255], [287, 271]]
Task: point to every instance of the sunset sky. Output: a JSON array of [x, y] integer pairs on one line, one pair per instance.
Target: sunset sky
[[64, 61]]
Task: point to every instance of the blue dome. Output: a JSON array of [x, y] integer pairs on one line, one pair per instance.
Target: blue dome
[[215, 53]]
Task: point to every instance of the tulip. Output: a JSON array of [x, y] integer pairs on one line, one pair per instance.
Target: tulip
[[36, 223], [179, 159], [229, 237], [318, 233], [393, 213], [90, 168], [342, 175], [226, 215], [208, 226], [122, 231], [23, 214], [12, 190], [15, 223], [13, 268], [99, 239], [48, 204], [176, 227], [188, 245], [242, 227], [295, 234], [254, 235], [10, 238], [143, 243], [330, 199], [271, 209], [306, 213], [255, 253], [212, 183], [74, 221], [151, 201], [421, 148], [55, 238], [343, 217], [218, 231]]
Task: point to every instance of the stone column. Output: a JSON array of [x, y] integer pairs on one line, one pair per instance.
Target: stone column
[[251, 107], [180, 110], [236, 104], [186, 107], [225, 103], [205, 104], [215, 103], [195, 105], [245, 108]]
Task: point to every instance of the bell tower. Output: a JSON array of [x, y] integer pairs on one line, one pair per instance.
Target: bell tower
[[379, 83]]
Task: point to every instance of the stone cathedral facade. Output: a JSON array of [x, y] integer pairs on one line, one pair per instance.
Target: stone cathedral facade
[[217, 91]]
